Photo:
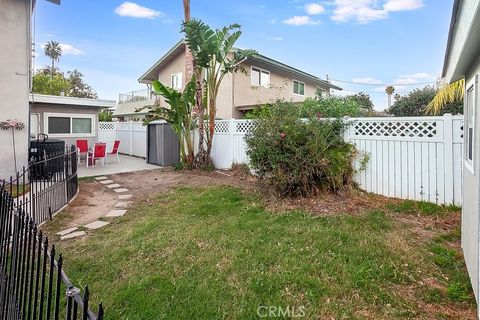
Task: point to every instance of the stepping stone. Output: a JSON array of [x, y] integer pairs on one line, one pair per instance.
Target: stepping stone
[[120, 190], [116, 213], [73, 235], [123, 204], [96, 224], [67, 231], [124, 196], [106, 181], [113, 185], [101, 178]]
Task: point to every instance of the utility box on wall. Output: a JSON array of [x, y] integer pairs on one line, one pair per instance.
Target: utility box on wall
[[163, 148]]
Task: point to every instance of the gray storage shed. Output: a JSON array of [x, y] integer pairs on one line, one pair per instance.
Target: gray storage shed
[[163, 148]]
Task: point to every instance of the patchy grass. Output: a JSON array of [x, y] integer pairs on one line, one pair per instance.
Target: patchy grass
[[422, 207], [217, 253]]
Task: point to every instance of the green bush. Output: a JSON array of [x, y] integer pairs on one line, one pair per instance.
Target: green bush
[[323, 107], [299, 157]]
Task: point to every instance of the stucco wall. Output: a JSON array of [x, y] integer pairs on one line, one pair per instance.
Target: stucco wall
[[41, 109], [14, 80], [281, 87], [471, 189], [175, 65]]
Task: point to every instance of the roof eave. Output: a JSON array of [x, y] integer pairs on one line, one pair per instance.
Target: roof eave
[[453, 22], [146, 77], [299, 72]]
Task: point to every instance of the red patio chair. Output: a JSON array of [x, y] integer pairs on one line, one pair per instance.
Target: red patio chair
[[114, 152], [99, 151], [82, 148]]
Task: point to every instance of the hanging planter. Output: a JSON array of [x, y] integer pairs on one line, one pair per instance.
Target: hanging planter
[[13, 124]]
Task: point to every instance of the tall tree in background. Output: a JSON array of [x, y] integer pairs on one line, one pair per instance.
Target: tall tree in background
[[363, 100], [416, 102], [53, 50], [390, 90], [78, 88]]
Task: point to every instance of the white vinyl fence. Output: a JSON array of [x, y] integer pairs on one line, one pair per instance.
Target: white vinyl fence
[[132, 136], [417, 158]]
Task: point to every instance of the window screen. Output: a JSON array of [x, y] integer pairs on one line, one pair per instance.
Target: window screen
[[255, 77], [81, 125], [58, 125]]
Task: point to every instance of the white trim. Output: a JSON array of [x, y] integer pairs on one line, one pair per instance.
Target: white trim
[[179, 75], [293, 88], [73, 101], [46, 115], [261, 70], [469, 163]]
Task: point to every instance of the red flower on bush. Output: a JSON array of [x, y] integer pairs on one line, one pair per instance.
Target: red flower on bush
[[282, 135]]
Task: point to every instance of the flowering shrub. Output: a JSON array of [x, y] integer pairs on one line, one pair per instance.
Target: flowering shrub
[[300, 157]]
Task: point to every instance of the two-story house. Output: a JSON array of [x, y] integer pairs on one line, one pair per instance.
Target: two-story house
[[265, 81]]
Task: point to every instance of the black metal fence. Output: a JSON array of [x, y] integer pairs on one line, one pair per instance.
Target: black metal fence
[[47, 185], [33, 284]]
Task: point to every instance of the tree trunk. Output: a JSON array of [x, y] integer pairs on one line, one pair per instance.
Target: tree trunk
[[201, 157], [53, 67], [211, 124]]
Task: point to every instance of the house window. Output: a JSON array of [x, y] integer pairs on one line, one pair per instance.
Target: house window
[[68, 125], [260, 77], [298, 87], [176, 81], [470, 121]]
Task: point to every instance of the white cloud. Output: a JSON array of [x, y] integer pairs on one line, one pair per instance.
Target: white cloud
[[314, 8], [301, 21], [274, 38], [364, 11], [405, 81], [69, 49], [367, 80], [403, 5], [131, 9], [418, 75]]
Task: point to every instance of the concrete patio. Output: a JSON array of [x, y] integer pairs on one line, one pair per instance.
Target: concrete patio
[[127, 164]]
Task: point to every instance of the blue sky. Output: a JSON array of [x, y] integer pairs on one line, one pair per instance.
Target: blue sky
[[368, 41]]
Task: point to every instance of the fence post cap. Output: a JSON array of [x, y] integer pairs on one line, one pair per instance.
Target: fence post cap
[[72, 291]]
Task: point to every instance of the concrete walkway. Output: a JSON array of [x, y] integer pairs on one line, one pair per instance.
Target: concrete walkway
[[119, 210], [127, 164]]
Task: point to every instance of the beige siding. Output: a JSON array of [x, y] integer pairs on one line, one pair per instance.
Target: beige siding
[[281, 88], [14, 80], [175, 65], [40, 110], [471, 189]]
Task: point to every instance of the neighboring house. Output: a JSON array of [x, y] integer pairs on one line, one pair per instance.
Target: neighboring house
[[15, 78], [129, 102], [266, 81], [462, 60], [66, 118]]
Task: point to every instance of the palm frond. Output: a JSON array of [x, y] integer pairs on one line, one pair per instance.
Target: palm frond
[[447, 94]]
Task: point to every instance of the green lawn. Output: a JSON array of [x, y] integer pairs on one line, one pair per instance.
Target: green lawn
[[216, 253]]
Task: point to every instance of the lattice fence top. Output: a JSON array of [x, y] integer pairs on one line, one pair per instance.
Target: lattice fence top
[[395, 128], [106, 125], [222, 126], [244, 126]]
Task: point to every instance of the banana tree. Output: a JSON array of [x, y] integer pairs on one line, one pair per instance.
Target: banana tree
[[213, 51], [178, 115]]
